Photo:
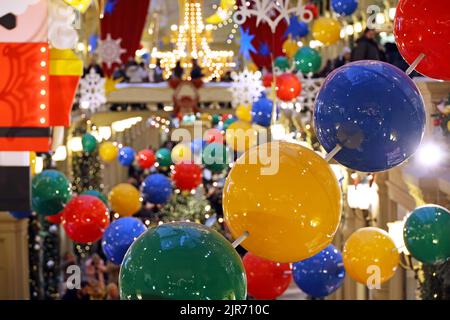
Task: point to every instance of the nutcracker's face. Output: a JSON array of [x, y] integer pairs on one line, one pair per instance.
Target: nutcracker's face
[[23, 20]]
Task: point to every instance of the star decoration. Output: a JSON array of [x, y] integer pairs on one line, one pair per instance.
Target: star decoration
[[110, 85], [110, 6], [296, 28], [110, 50], [264, 49], [270, 12], [246, 44], [246, 87]]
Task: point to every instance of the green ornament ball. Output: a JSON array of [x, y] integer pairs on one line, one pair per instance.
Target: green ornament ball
[[97, 194], [282, 63], [164, 157], [89, 143], [215, 119], [182, 261], [228, 123], [427, 234], [307, 60], [50, 191], [215, 157]]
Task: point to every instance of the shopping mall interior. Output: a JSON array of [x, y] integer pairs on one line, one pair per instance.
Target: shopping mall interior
[[224, 149]]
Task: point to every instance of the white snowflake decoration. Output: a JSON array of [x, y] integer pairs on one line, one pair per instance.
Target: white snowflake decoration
[[271, 12], [110, 50], [92, 91], [246, 87], [310, 89]]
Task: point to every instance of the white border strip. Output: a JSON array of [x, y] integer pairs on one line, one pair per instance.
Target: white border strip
[[14, 159]]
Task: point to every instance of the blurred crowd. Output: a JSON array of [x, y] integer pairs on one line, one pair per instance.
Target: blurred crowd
[[140, 72], [366, 48], [99, 280]]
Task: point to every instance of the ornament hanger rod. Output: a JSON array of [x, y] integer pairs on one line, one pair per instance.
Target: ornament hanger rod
[[415, 63], [333, 152], [239, 240]]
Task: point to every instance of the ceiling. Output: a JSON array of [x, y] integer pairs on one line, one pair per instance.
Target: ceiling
[[168, 14]]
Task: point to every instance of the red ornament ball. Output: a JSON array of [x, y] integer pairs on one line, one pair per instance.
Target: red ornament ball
[[267, 80], [55, 219], [213, 135], [85, 218], [422, 26], [437, 122], [187, 175], [313, 8], [266, 280], [146, 158], [288, 87], [226, 116]]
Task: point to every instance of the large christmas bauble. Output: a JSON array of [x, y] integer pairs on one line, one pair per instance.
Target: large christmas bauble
[[422, 26], [187, 175], [125, 199], [370, 256], [374, 111], [320, 275], [266, 280], [427, 234], [286, 197], [288, 87], [85, 218], [157, 188], [182, 261], [50, 191], [119, 236]]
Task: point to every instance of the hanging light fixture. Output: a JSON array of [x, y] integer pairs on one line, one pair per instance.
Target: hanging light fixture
[[192, 39]]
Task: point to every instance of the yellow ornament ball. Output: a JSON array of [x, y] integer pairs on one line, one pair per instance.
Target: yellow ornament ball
[[252, 67], [180, 153], [108, 151], [80, 5], [205, 117], [244, 113], [370, 256], [286, 197], [125, 199], [326, 30], [240, 136], [290, 47], [33, 163]]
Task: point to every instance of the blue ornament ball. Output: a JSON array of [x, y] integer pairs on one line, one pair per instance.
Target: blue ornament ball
[[303, 29], [157, 188], [344, 7], [119, 236], [320, 275], [374, 111], [126, 156], [197, 146], [262, 111], [20, 214]]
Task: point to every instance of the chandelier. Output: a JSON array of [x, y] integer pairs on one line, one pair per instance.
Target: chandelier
[[192, 39]]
